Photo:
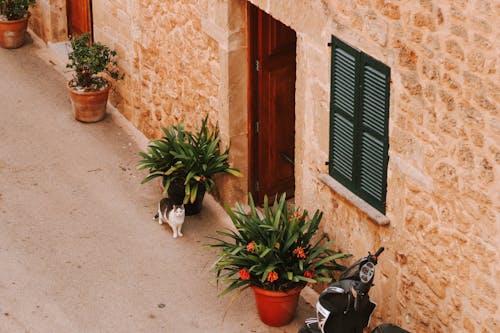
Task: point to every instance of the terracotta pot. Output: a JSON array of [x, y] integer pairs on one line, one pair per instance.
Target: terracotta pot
[[276, 308], [89, 106], [12, 33]]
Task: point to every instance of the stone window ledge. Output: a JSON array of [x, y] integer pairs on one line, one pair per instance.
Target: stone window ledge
[[362, 205]]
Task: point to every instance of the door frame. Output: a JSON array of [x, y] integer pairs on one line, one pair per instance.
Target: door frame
[[252, 12]]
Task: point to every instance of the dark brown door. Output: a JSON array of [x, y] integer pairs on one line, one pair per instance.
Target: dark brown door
[[79, 17], [273, 55]]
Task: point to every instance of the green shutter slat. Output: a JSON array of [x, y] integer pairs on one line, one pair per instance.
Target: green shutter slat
[[342, 150], [345, 98], [343, 73], [375, 90], [345, 59], [374, 100], [371, 71], [372, 166]]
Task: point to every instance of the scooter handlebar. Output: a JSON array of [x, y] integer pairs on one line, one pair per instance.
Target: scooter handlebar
[[379, 251]]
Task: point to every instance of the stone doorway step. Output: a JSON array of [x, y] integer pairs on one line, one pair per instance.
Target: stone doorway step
[[60, 51]]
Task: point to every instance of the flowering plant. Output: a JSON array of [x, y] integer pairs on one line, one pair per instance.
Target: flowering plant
[[274, 250]]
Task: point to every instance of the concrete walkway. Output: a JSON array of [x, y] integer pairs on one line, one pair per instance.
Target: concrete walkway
[[79, 251]]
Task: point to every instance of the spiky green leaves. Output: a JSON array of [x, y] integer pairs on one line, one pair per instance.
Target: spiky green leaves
[[191, 157], [280, 247]]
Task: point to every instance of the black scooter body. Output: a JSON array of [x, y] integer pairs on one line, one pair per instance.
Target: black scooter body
[[384, 328], [345, 306], [336, 310], [347, 321], [388, 328]]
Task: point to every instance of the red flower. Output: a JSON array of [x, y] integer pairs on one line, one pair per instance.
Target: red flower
[[308, 274], [299, 252], [297, 215], [251, 246], [244, 274], [272, 276]]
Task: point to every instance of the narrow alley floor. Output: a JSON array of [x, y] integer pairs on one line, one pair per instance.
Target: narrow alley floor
[[79, 251]]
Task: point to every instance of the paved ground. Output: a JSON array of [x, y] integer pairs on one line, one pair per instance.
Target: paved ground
[[79, 251]]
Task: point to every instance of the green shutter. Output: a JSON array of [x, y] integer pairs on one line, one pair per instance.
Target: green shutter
[[343, 111], [359, 109], [374, 132], [342, 149]]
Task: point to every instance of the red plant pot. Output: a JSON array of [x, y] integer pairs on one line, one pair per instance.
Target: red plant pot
[[12, 33], [89, 106], [276, 308]]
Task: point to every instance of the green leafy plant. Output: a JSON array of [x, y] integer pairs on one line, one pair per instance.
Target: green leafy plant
[[89, 61], [190, 158], [15, 9], [276, 250], [161, 158]]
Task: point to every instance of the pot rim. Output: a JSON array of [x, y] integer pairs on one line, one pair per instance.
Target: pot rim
[[273, 293], [82, 92], [25, 18]]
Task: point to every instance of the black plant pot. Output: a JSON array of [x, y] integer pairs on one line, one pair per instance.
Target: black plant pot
[[176, 192]]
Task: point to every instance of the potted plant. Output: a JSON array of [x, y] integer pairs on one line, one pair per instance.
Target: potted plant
[[14, 16], [276, 253], [186, 162], [89, 87]]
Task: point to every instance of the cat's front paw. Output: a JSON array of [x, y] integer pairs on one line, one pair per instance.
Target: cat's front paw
[[175, 236], [180, 234]]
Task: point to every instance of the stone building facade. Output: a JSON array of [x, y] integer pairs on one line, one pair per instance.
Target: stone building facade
[[185, 59]]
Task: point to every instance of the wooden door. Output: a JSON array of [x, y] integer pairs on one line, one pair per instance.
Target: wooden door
[[273, 104], [79, 17]]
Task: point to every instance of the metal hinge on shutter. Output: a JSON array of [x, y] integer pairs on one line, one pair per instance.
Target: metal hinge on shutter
[[257, 65], [257, 186]]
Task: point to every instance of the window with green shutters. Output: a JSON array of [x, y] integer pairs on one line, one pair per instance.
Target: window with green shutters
[[359, 114]]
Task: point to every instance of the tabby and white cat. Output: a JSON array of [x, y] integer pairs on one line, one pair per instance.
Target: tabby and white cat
[[172, 214]]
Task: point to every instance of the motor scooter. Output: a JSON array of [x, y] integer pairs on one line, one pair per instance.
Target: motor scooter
[[345, 306]]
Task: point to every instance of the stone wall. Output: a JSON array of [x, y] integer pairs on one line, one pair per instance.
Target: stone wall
[[186, 59], [174, 55], [438, 273], [173, 68], [48, 20]]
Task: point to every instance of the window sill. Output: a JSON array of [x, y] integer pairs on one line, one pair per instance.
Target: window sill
[[362, 205]]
